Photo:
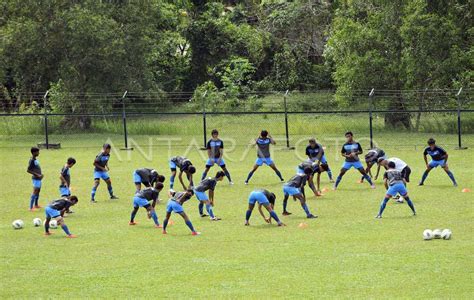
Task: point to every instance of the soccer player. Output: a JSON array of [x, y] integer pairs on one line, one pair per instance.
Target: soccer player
[[65, 177], [208, 184], [215, 151], [317, 169], [351, 150], [294, 187], [101, 168], [142, 199], [263, 154], [394, 183], [400, 166], [315, 152], [56, 210], [439, 157], [185, 166], [175, 204], [35, 170], [264, 198], [371, 158], [147, 177]]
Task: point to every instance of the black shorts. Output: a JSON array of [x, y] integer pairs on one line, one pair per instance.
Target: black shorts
[[406, 173]]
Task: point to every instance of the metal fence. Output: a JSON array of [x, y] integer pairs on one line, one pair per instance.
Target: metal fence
[[242, 115]]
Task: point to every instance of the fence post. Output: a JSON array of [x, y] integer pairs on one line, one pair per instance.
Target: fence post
[[45, 104], [458, 96], [124, 119], [371, 94], [286, 121], [204, 125]]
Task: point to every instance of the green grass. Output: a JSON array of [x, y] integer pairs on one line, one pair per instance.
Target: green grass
[[345, 253]]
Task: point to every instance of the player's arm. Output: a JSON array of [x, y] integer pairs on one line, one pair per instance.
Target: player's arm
[[385, 183], [425, 158], [318, 181], [96, 164], [63, 180], [260, 210], [378, 172], [359, 149], [311, 185], [272, 141], [445, 157], [180, 177], [211, 197], [63, 211], [320, 153], [34, 173]]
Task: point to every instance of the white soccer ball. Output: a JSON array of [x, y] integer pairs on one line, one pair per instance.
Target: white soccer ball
[[446, 234], [36, 222], [18, 224], [53, 224], [437, 233], [428, 234]]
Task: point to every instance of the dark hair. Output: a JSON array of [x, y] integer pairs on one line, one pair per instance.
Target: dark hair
[[107, 146], [349, 133], [159, 185], [272, 198], [264, 133], [324, 167], [431, 141], [312, 140], [71, 161], [308, 171], [73, 199], [161, 178], [214, 131], [380, 159], [220, 174], [191, 169], [190, 191], [34, 150], [391, 164]]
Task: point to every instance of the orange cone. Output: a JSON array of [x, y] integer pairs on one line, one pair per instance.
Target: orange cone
[[325, 190], [302, 225], [466, 190]]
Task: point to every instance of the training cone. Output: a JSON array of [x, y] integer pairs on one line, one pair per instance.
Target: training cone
[[302, 225], [466, 190], [170, 222], [325, 190]]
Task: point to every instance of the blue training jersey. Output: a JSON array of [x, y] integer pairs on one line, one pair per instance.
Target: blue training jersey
[[437, 153]]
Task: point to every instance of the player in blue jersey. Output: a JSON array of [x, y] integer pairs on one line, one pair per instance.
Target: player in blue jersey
[[175, 204], [101, 171], [264, 198], [315, 152], [215, 152], [294, 187], [263, 143], [142, 199], [36, 176], [56, 210], [317, 170], [65, 178], [185, 166], [351, 151], [395, 184], [439, 157], [208, 184], [146, 176], [371, 159]]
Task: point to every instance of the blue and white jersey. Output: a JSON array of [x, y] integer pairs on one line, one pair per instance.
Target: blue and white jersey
[[349, 148], [437, 153], [34, 166], [102, 159], [314, 152], [215, 146], [263, 147]]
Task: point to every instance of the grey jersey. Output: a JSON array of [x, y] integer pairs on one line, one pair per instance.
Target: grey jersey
[[148, 194], [206, 184], [297, 181], [181, 162], [263, 145], [34, 166], [147, 175], [393, 177]]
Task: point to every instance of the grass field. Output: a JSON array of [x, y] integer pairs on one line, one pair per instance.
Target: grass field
[[345, 253]]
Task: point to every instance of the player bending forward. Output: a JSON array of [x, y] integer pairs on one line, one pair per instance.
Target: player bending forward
[[264, 198], [294, 187], [175, 204], [56, 210], [208, 184], [142, 199]]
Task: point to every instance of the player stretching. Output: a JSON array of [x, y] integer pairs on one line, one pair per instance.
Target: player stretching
[[147, 177], [215, 151], [317, 169], [394, 183], [35, 170], [439, 157], [315, 152], [294, 187], [371, 158], [263, 197], [65, 177], [208, 184], [56, 210], [351, 150], [142, 199], [175, 204], [101, 168], [185, 166], [263, 154]]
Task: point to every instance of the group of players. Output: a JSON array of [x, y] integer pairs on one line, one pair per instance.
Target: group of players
[[396, 177]]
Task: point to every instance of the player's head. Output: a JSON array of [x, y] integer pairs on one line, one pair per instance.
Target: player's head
[[220, 175], [349, 136], [189, 192], [159, 186], [312, 141], [391, 165], [308, 171], [71, 161], [191, 169], [431, 143], [264, 133], [73, 199], [272, 199], [35, 151], [161, 178], [106, 148], [323, 167], [382, 161], [215, 133]]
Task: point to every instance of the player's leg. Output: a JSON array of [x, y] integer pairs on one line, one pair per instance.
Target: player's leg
[[273, 214], [64, 227], [46, 226], [248, 213], [37, 194], [341, 174], [209, 164], [109, 188], [302, 199], [409, 202], [366, 176], [325, 161], [226, 172], [255, 167], [285, 204], [138, 181], [277, 172], [383, 204], [133, 214], [152, 213], [450, 174], [172, 177], [165, 222], [188, 223], [425, 174], [34, 196], [94, 188]]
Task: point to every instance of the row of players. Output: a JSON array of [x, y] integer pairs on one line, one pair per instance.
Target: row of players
[[394, 179]]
